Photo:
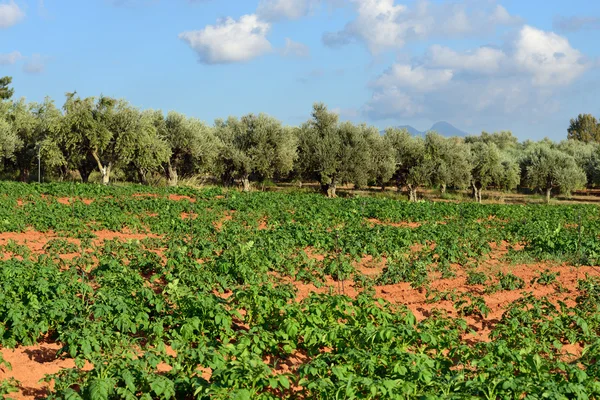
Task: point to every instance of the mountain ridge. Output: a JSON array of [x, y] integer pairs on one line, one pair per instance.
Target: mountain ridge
[[442, 127]]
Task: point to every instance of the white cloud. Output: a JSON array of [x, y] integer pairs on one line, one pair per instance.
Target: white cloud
[[295, 49], [501, 16], [483, 60], [383, 25], [526, 77], [548, 57], [10, 58], [230, 40], [392, 102], [419, 79], [10, 14], [274, 10]]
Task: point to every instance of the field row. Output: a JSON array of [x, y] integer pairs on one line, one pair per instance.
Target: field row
[[138, 292]]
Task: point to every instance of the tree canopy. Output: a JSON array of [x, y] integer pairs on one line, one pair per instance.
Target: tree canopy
[[112, 139], [548, 168], [584, 128], [5, 91]]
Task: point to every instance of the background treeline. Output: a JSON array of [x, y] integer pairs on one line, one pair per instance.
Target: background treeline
[[116, 139]]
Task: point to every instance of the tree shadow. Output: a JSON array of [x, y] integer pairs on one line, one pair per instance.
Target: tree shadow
[[42, 355], [37, 393]]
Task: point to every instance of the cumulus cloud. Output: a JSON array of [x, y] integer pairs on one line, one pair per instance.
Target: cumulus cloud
[[295, 49], [575, 24], [419, 79], [230, 40], [525, 75], [10, 14], [548, 57], [10, 58], [485, 60], [274, 10], [384, 25]]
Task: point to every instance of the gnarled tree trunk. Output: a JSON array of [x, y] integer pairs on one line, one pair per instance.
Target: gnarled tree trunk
[[172, 177], [412, 193], [548, 193], [106, 174], [476, 192], [104, 169], [142, 176], [331, 190], [246, 183], [443, 189]]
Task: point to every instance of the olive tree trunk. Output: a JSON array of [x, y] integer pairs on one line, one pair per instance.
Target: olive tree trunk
[[328, 189], [104, 169], [331, 190], [246, 183], [548, 193], [477, 192], [172, 177], [142, 176], [412, 193], [106, 174]]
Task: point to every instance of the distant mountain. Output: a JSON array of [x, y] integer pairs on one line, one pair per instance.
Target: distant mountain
[[443, 128], [447, 129], [411, 130]]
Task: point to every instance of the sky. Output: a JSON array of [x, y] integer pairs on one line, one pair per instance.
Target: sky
[[493, 65]]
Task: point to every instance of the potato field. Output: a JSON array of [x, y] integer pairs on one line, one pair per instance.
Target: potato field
[[138, 292]]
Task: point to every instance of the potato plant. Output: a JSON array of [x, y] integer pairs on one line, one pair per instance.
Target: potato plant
[[209, 307]]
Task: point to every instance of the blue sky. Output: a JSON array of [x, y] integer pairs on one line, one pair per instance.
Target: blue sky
[[525, 66]]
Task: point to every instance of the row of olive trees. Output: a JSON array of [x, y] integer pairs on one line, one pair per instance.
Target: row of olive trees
[[104, 135], [333, 153]]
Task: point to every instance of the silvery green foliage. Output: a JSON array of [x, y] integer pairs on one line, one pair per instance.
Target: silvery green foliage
[[548, 168], [192, 144], [256, 146], [335, 153]]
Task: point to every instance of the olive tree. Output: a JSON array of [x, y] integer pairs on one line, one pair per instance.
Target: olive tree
[[28, 123], [584, 128], [48, 120], [151, 151], [486, 167], [191, 143], [133, 139], [447, 160], [549, 168], [504, 140], [334, 153], [9, 141], [254, 146], [585, 155], [84, 132], [411, 169], [383, 159]]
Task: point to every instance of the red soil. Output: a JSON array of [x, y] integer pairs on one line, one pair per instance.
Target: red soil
[[416, 298], [404, 224], [176, 197], [228, 216], [30, 364], [69, 200], [36, 241]]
